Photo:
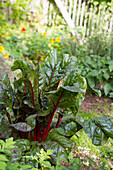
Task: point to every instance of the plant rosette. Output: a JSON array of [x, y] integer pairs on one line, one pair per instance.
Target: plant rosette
[[42, 91]]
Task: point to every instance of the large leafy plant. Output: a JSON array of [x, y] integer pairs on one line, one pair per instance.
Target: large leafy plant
[[41, 103], [40, 92]]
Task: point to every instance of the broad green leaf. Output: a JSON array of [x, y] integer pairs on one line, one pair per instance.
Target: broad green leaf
[[95, 133], [111, 94], [106, 125], [54, 70], [107, 87], [74, 83], [3, 165], [97, 92], [69, 130], [23, 66], [31, 120], [99, 129], [61, 140], [67, 93], [111, 68], [93, 73], [3, 158], [2, 103], [23, 127]]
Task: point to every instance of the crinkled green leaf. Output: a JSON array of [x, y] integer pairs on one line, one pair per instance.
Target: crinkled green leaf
[[23, 127], [69, 130], [54, 70], [61, 140], [99, 129], [105, 124], [23, 66], [97, 92], [74, 82], [31, 120], [67, 94]]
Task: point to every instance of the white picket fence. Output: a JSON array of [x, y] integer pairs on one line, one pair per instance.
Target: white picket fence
[[85, 19]]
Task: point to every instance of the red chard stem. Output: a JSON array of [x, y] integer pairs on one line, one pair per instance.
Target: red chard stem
[[59, 121]]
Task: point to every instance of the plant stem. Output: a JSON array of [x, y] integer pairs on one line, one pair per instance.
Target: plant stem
[[42, 138], [32, 95], [59, 120], [9, 117], [35, 134], [52, 76], [31, 136], [49, 124], [38, 133]]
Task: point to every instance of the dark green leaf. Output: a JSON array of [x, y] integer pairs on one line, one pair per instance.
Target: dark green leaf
[[31, 120], [61, 140], [97, 92], [23, 66], [23, 127]]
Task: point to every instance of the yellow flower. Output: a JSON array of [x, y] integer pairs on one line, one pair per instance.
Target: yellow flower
[[68, 35], [6, 56], [44, 34], [2, 48], [43, 56], [74, 39], [41, 52], [58, 39], [52, 41]]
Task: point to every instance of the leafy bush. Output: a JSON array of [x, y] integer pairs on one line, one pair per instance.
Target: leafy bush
[[98, 71]]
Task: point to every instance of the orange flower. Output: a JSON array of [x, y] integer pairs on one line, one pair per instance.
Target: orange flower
[[2, 48], [74, 39], [68, 35], [37, 50], [23, 29], [52, 41], [6, 56], [44, 34], [43, 56], [58, 39]]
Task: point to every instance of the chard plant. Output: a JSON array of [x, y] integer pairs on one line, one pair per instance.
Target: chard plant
[[41, 105]]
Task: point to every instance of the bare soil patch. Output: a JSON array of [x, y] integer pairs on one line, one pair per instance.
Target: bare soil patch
[[97, 104]]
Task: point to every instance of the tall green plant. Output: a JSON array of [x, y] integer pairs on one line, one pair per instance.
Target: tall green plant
[[42, 92]]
